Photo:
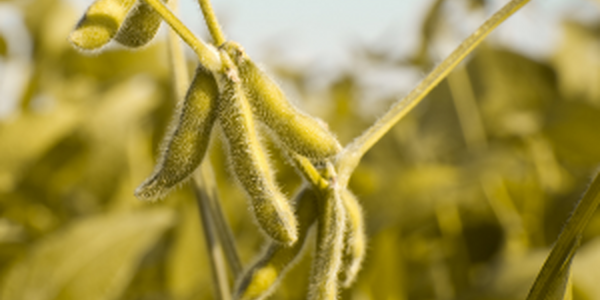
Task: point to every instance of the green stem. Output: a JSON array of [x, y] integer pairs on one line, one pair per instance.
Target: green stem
[[211, 22], [563, 251], [215, 254], [219, 222], [355, 150], [467, 110], [207, 56], [181, 77]]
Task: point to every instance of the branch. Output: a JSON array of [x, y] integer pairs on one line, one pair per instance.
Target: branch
[[352, 154], [179, 68], [213, 246], [207, 56], [211, 22], [219, 222]]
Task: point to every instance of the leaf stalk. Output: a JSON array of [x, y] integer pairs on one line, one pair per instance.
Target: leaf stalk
[[352, 154]]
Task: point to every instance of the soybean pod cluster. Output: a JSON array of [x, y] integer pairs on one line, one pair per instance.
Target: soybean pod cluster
[[239, 99]]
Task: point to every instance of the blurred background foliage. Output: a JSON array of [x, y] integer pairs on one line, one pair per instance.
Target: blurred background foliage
[[463, 198]]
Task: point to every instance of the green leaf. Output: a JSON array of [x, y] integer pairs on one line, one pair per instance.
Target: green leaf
[[553, 280], [555, 283], [92, 259]]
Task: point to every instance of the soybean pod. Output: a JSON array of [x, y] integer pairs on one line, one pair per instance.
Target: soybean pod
[[185, 147], [355, 240], [330, 242], [249, 161], [140, 26], [262, 277], [100, 23], [297, 131]]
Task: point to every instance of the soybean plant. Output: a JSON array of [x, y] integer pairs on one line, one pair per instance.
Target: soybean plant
[[230, 93]]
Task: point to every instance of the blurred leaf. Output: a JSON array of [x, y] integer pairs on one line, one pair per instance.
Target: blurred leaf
[[3, 47], [577, 62], [585, 270], [510, 277], [27, 137], [186, 279], [385, 271], [573, 132], [514, 91], [91, 259], [431, 25], [476, 4], [557, 284], [553, 280], [118, 113], [9, 231]]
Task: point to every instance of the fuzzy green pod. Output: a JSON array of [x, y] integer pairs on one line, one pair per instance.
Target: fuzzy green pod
[[249, 161], [297, 131], [263, 276], [185, 146], [140, 26], [355, 239], [100, 23], [330, 242]]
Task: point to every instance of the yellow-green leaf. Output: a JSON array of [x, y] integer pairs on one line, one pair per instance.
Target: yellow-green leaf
[[91, 259], [553, 280]]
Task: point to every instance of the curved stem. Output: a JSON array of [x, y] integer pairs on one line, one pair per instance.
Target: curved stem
[[211, 22], [207, 56], [355, 150], [559, 260]]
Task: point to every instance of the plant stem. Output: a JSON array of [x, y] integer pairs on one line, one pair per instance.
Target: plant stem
[[219, 222], [567, 243], [211, 22], [207, 56], [467, 110], [355, 150], [179, 70], [213, 246]]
